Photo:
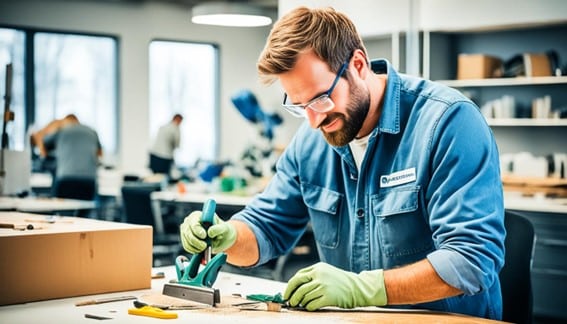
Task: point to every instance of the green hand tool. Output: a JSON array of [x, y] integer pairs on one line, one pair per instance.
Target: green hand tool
[[193, 284]]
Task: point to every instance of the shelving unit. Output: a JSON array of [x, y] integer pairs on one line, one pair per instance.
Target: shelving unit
[[505, 82], [492, 28], [527, 122], [541, 137]]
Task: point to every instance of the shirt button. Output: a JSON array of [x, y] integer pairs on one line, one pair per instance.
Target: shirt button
[[360, 212]]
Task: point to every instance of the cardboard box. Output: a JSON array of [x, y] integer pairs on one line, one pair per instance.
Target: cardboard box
[[537, 64], [477, 66], [71, 257]]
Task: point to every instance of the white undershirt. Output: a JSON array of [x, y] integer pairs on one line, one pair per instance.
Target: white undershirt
[[358, 148]]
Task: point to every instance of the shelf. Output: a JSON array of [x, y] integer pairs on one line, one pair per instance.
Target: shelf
[[536, 186], [509, 179], [495, 82], [516, 201], [526, 122]]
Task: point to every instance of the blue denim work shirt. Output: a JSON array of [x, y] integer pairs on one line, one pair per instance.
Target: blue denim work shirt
[[428, 187]]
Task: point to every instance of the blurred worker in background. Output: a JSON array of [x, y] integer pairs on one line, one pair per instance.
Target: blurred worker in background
[[164, 145], [77, 152], [47, 157], [398, 176]]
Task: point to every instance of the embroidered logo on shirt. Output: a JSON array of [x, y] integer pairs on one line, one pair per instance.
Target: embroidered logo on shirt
[[398, 178]]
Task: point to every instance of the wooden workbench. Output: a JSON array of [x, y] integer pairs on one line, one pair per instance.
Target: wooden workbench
[[65, 311]]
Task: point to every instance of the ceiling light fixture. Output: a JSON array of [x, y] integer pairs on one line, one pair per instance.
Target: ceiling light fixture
[[230, 14]]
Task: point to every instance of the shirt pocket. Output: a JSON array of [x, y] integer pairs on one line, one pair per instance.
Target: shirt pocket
[[402, 228], [323, 205]]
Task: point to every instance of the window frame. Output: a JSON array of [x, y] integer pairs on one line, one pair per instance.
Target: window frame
[[29, 75]]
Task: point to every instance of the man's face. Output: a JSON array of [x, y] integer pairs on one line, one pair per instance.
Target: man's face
[[310, 78], [352, 119]]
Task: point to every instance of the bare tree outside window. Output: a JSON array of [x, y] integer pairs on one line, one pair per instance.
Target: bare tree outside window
[[77, 74], [184, 79]]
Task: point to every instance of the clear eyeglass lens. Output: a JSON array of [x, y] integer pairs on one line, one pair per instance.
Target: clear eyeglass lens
[[296, 111], [322, 104]]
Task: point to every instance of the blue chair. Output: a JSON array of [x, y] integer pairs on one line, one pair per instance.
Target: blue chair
[[515, 276]]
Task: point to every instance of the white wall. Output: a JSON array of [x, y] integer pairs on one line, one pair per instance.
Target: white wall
[[136, 25], [382, 17], [486, 14], [371, 17]]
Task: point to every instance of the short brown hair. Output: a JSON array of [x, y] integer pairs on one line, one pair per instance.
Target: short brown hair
[[330, 34]]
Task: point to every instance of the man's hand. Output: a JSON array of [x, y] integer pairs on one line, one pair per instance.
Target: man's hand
[[193, 235], [323, 285]]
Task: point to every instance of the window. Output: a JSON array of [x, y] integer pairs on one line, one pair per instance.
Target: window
[[77, 74], [68, 73], [12, 44], [184, 79]]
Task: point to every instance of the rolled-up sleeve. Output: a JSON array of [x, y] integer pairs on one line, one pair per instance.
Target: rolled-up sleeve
[[465, 201]]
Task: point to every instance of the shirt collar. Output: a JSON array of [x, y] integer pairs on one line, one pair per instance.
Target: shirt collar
[[390, 115]]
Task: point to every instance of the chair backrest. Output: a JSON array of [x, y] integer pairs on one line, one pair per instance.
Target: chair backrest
[[137, 203], [515, 276]]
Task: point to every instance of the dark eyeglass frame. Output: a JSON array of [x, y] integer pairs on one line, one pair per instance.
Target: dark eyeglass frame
[[298, 110]]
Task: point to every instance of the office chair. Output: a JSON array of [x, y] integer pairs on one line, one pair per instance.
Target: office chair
[[137, 204], [515, 276]]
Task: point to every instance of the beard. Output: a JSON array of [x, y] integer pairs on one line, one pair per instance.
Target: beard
[[356, 113]]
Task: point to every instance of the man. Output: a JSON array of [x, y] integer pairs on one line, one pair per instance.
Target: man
[[165, 143], [398, 176], [77, 151], [48, 161]]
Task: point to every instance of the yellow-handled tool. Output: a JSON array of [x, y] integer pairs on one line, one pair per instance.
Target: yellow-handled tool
[[151, 311]]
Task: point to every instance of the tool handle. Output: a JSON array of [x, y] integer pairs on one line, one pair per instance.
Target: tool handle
[[207, 220], [86, 302], [104, 300], [151, 311], [208, 214]]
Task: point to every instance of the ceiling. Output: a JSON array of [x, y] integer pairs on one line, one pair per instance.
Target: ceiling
[[267, 4]]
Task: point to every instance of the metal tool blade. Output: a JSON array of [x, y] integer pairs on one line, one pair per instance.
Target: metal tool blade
[[205, 295]]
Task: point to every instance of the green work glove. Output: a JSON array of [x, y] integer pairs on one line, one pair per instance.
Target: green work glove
[[323, 285], [193, 235]]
